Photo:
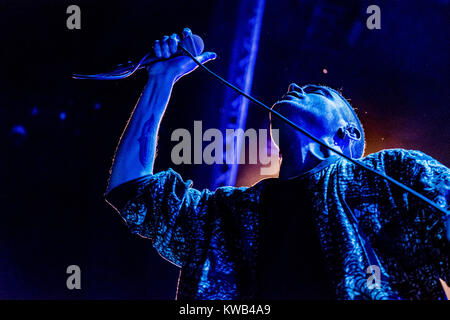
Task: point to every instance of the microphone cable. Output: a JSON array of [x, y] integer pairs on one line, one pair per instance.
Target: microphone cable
[[312, 137], [116, 74]]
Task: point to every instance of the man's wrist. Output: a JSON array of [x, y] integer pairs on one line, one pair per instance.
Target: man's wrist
[[166, 74]]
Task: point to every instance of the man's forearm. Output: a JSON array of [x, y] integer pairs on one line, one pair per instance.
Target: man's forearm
[[135, 153]]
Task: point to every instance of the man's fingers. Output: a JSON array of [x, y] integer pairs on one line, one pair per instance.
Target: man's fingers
[[165, 47], [173, 43], [206, 56], [157, 49], [187, 32]]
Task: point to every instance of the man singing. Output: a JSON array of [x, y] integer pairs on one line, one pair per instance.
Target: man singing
[[325, 229]]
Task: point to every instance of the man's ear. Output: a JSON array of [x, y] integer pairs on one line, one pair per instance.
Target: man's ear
[[351, 131]]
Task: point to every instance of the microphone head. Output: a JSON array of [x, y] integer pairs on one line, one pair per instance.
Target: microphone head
[[194, 44]]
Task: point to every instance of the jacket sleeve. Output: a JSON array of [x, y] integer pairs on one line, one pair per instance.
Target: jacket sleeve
[[432, 227], [167, 210]]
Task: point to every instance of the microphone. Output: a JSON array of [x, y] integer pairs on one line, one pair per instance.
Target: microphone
[[193, 43]]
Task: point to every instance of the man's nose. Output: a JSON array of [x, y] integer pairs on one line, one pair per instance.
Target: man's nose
[[294, 87]]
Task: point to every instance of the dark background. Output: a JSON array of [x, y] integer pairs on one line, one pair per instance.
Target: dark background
[[60, 134]]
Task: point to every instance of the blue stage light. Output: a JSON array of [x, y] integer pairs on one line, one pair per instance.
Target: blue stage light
[[19, 129]]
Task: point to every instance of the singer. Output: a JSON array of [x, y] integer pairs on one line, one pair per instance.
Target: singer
[[325, 229]]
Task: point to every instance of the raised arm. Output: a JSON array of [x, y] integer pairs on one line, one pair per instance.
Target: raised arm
[[135, 152]]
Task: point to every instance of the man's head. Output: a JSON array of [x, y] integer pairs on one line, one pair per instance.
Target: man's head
[[323, 112]]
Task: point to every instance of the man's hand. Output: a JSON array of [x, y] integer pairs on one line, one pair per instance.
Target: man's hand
[[175, 66]]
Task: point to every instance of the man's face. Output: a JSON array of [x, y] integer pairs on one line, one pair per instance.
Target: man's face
[[315, 108]]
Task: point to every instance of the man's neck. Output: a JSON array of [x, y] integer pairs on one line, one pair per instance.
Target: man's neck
[[303, 161]]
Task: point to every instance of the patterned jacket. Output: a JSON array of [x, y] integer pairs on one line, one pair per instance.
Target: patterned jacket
[[364, 224]]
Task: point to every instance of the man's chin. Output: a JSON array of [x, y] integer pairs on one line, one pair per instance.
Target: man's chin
[[284, 106]]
